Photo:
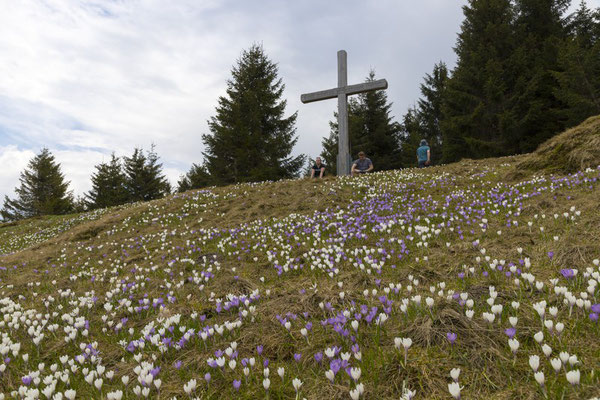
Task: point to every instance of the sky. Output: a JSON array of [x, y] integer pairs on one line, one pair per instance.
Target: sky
[[89, 78]]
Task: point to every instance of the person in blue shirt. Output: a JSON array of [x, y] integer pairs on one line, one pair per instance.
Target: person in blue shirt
[[361, 166], [424, 155]]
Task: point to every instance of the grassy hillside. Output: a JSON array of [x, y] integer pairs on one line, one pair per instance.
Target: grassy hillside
[[306, 289]]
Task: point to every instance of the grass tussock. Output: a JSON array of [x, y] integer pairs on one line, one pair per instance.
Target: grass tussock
[[574, 150]]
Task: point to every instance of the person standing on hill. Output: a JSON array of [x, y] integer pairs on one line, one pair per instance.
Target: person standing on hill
[[423, 155], [318, 169], [362, 165]]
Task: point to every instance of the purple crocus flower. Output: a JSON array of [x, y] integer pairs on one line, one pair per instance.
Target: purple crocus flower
[[550, 255], [266, 363], [567, 273], [594, 317], [461, 275], [596, 308], [335, 365], [510, 332], [177, 364], [318, 357], [26, 380], [237, 384], [259, 349], [207, 377], [297, 357], [451, 336]]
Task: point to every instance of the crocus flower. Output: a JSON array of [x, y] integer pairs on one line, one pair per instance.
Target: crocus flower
[[539, 378], [318, 357], [534, 362], [451, 336], [573, 377], [454, 389], [296, 383], [454, 373], [514, 345], [237, 384], [567, 273], [510, 332]]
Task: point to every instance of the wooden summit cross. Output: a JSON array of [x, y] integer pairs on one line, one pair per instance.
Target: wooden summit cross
[[342, 92]]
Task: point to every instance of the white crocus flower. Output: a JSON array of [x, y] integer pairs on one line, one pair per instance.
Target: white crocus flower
[[573, 377], [454, 373], [556, 364], [539, 378], [296, 383], [514, 345], [534, 362], [454, 389]]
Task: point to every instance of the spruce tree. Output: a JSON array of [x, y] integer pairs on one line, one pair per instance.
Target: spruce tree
[[578, 73], [411, 134], [539, 30], [478, 119], [144, 178], [430, 109], [250, 140], [330, 143], [197, 177], [370, 129], [108, 185], [43, 190]]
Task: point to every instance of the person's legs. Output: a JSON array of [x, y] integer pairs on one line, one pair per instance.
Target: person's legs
[[421, 164]]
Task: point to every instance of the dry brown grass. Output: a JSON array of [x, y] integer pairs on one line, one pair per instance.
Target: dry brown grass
[[482, 353], [573, 150]]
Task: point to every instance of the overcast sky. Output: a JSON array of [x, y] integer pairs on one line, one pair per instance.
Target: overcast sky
[[88, 78]]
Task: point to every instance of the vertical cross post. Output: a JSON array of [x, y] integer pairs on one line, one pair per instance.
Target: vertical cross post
[[343, 157], [342, 91]]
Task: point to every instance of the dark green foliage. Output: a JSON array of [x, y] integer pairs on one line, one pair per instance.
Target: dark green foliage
[[250, 139], [539, 29], [424, 121], [412, 132], [578, 73], [478, 118], [524, 73], [43, 191], [108, 185], [430, 108], [370, 129], [197, 177], [144, 178]]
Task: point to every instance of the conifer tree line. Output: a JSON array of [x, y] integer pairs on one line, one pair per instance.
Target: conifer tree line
[[44, 191], [525, 71]]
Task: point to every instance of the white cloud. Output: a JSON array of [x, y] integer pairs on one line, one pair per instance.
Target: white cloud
[[87, 78], [12, 161]]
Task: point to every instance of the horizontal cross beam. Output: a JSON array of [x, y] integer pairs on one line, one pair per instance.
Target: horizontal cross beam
[[347, 90]]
